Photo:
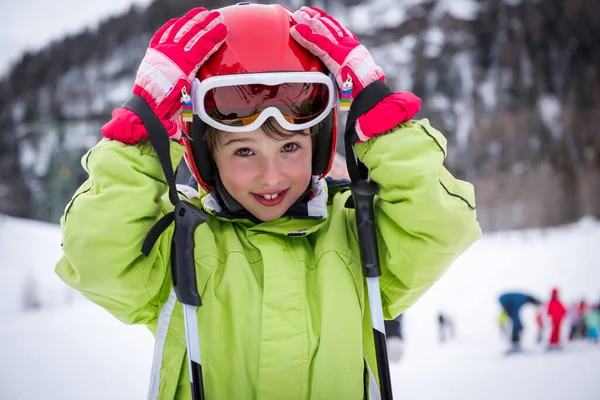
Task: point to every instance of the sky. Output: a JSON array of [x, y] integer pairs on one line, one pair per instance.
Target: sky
[[42, 21], [72, 349]]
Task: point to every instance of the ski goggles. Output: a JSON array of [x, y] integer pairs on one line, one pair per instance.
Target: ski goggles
[[243, 102]]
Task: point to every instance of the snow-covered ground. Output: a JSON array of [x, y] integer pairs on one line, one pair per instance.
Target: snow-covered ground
[[68, 348]]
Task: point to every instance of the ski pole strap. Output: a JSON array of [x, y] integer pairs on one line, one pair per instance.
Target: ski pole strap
[[156, 231], [364, 101], [160, 141], [186, 216], [158, 137]]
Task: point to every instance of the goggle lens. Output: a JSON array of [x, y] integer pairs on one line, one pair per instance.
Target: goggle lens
[[241, 105]]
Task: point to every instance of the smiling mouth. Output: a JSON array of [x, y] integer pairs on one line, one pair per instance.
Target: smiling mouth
[[270, 200]]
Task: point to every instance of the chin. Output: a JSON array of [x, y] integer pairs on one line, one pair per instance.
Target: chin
[[268, 216]]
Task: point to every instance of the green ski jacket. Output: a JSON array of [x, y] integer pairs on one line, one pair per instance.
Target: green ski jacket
[[284, 314]]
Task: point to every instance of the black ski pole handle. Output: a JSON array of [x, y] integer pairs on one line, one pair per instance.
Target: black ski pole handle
[[183, 266], [363, 194]]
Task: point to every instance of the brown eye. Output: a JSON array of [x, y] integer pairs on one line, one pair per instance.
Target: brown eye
[[290, 147], [245, 152]]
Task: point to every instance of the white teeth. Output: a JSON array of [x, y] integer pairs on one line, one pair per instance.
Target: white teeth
[[270, 196]]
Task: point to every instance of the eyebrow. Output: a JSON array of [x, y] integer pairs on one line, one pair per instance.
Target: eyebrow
[[234, 140]]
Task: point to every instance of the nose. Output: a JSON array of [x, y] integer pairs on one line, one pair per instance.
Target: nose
[[271, 172]]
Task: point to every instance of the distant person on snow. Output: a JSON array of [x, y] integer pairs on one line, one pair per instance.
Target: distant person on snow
[[592, 321], [556, 311], [395, 338], [445, 327], [512, 302], [539, 322], [576, 321], [503, 323]]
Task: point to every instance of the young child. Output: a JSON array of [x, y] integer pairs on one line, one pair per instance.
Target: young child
[[284, 310]]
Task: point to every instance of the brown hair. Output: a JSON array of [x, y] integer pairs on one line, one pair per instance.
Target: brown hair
[[270, 127]]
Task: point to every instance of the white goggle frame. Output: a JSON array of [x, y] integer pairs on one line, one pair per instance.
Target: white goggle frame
[[200, 88]]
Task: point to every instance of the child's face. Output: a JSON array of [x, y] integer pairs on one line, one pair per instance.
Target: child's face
[[252, 165]]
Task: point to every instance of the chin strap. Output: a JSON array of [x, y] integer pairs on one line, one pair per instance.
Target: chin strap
[[231, 203]]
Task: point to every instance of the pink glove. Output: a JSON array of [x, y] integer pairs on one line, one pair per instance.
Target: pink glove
[[176, 52], [348, 60]]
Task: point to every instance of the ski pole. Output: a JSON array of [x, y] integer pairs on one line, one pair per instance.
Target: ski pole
[[186, 217], [363, 194]]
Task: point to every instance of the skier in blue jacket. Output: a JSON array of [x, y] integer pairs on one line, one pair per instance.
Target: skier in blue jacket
[[512, 302]]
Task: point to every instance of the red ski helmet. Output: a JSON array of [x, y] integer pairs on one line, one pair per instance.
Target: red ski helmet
[[258, 41]]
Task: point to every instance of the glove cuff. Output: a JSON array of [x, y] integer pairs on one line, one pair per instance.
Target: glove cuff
[[127, 127], [388, 113]]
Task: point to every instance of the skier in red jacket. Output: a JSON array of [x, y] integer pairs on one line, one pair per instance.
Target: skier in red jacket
[[556, 311]]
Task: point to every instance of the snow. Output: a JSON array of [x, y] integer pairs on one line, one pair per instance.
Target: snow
[[368, 16], [465, 10], [438, 102], [35, 155], [487, 94], [396, 58], [550, 108], [434, 40], [29, 249], [80, 135], [75, 352], [376, 14], [464, 107], [526, 70], [71, 349]]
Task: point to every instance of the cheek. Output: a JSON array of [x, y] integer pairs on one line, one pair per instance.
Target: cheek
[[234, 174], [299, 167]]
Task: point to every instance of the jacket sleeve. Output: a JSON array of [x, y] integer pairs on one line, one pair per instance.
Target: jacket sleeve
[[425, 217], [105, 224]]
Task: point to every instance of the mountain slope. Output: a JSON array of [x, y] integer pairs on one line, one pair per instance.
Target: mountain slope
[[514, 85]]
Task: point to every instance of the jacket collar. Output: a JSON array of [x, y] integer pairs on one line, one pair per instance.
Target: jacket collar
[[303, 218]]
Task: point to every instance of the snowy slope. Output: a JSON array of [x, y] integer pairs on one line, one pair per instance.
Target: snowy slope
[[70, 349], [76, 352], [472, 366]]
